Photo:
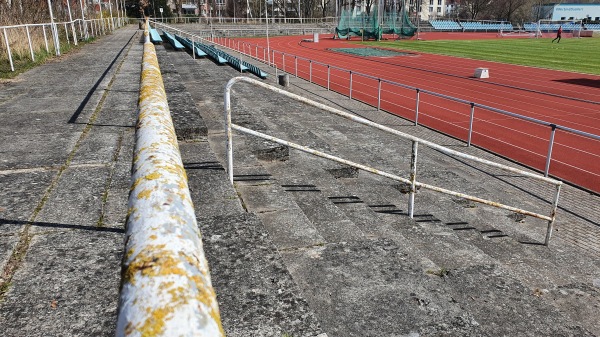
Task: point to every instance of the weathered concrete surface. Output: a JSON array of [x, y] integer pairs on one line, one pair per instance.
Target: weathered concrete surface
[[342, 259], [516, 289], [64, 173]]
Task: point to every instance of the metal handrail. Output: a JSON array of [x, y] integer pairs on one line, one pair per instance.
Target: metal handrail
[[415, 141], [471, 104], [166, 288]]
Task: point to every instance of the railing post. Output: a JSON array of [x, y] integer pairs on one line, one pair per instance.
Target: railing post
[[229, 133], [310, 71], [350, 94], [328, 76], [12, 67], [471, 123], [193, 48], [413, 179], [296, 65], [379, 94], [256, 52], [418, 100], [550, 145], [67, 34], [30, 46], [552, 215], [45, 38], [283, 62]]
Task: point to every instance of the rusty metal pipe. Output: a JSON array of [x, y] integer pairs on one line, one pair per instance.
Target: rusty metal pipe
[[165, 288]]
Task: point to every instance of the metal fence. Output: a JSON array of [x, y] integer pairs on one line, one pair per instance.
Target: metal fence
[[411, 180], [48, 36], [385, 95]]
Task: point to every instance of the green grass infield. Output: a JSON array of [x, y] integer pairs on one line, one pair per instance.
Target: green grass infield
[[571, 54]]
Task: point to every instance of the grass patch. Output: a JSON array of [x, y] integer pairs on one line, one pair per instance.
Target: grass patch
[[22, 61], [577, 55]]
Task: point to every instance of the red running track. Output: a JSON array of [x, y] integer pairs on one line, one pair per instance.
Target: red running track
[[558, 97]]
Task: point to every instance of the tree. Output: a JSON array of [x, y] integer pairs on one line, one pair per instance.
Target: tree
[[474, 7]]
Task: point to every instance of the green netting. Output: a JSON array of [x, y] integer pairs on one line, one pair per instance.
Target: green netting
[[354, 23], [367, 26], [398, 24]]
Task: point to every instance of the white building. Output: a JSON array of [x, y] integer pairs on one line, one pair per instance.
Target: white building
[[568, 12]]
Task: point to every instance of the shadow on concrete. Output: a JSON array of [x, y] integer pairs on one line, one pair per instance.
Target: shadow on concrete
[[60, 225], [91, 92], [500, 178]]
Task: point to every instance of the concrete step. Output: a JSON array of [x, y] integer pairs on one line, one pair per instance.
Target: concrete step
[[187, 121], [346, 283]]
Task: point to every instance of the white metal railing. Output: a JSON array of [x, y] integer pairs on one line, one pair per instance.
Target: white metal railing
[[321, 74], [411, 180], [342, 81], [165, 288], [79, 29]]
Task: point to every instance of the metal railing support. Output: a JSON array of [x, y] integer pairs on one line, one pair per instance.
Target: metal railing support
[[165, 288], [379, 94], [296, 65], [12, 67], [350, 93], [413, 179], [550, 146], [472, 116], [552, 215], [413, 183], [328, 76], [30, 45], [310, 71], [45, 38], [418, 99]]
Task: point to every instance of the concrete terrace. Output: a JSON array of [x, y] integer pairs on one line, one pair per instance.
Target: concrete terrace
[[298, 246]]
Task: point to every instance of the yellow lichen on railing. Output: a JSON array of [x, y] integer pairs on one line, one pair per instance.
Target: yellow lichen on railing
[[166, 288]]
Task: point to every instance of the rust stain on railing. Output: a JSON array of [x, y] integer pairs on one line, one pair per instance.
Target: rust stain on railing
[[166, 288]]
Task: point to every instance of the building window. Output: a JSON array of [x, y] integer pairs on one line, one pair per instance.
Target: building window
[[430, 9], [439, 10], [439, 2], [430, 2]]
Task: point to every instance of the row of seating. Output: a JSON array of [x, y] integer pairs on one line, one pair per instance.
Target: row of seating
[[568, 26], [202, 50], [154, 36], [471, 26], [171, 39], [220, 56], [189, 45]]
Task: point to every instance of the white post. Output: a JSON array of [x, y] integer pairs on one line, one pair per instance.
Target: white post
[[72, 23], [112, 22], [45, 39], [30, 46], [102, 18], [12, 67], [54, 31], [85, 29], [118, 14], [413, 179]]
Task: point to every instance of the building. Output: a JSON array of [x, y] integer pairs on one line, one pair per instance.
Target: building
[[558, 12]]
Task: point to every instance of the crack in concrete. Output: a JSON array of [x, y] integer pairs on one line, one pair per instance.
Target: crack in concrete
[[16, 259]]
